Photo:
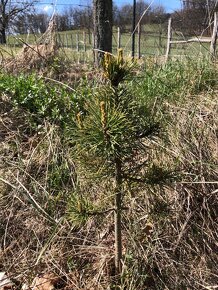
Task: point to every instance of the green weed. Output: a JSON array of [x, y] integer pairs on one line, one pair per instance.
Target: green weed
[[42, 100]]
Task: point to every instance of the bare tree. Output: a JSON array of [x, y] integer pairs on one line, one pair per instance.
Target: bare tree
[[196, 16], [103, 22], [64, 22], [123, 14], [8, 12], [30, 22]]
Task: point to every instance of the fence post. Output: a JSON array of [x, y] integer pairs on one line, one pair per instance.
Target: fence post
[[139, 40], [59, 40], [89, 36], [93, 40], [133, 28], [66, 36], [84, 40], [77, 42], [14, 42], [214, 37], [118, 37], [169, 37], [71, 40], [160, 35]]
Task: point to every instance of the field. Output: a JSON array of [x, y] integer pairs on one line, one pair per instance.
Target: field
[[73, 138], [153, 43]]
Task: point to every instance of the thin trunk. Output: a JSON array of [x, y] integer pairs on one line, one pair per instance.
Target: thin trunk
[[117, 215], [118, 204], [2, 36]]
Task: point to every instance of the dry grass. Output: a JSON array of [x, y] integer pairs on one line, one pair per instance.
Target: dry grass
[[32, 57], [170, 231], [181, 251]]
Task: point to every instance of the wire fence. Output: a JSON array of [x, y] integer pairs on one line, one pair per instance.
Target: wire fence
[[151, 40]]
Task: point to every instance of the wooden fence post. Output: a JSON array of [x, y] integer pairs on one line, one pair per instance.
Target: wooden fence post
[[77, 42], [169, 38], [84, 40], [139, 40], [214, 37], [66, 36], [93, 40], [14, 42], [59, 40], [160, 35], [71, 40], [89, 36], [118, 37]]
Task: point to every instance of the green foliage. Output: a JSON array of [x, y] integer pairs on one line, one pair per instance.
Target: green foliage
[[124, 120], [58, 176], [79, 208], [110, 132], [101, 128], [39, 98], [116, 69], [56, 103], [175, 79], [112, 118]]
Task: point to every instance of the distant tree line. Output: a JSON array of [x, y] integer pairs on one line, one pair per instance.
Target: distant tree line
[[9, 11], [194, 17], [82, 17]]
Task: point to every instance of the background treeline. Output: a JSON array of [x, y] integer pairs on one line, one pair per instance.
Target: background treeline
[[82, 17], [193, 18]]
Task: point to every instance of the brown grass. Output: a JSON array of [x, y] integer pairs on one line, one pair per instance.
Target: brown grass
[[179, 251]]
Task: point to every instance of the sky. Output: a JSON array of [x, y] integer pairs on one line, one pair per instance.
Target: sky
[[47, 5], [170, 5]]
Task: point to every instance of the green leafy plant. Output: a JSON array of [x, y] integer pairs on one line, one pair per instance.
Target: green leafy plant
[[41, 99]]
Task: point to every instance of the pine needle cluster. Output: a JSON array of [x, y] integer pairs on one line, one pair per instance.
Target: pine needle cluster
[[109, 138]]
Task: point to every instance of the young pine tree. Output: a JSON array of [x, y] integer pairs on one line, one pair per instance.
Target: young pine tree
[[109, 133]]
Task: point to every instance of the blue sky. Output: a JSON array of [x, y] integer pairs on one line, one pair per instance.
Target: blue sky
[[47, 5], [170, 5]]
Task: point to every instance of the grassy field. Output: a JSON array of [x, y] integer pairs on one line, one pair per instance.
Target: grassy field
[[56, 202], [152, 44]]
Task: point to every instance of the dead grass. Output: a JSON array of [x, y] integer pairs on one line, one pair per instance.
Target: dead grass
[[178, 252], [32, 57]]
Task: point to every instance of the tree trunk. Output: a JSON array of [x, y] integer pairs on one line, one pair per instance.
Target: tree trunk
[[2, 36], [102, 28], [118, 205]]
